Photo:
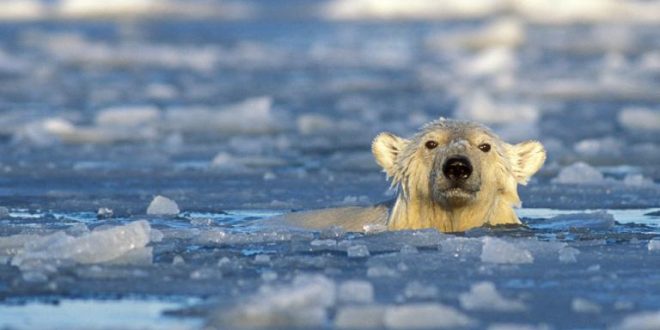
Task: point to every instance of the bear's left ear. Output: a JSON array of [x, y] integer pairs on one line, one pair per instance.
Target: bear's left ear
[[526, 159], [386, 147]]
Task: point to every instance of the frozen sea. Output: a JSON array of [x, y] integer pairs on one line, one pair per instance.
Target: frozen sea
[[234, 112]]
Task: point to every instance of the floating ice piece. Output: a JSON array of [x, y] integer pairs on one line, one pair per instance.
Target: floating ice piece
[[96, 247], [229, 162], [568, 255], [654, 244], [579, 173], [425, 316], [635, 119], [517, 326], [580, 305], [381, 271], [355, 291], [461, 247], [599, 220], [303, 303], [641, 321], [357, 251], [129, 116], [489, 62], [414, 9], [360, 317], [608, 146], [481, 107], [498, 251], [637, 180], [417, 290], [262, 259], [251, 116], [484, 296], [161, 205], [104, 213]]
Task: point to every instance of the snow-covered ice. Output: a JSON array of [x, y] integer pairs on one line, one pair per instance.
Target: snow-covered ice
[[499, 251], [162, 205], [243, 111], [484, 296]]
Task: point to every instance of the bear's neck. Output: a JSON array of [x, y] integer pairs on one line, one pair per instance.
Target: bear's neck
[[420, 213]]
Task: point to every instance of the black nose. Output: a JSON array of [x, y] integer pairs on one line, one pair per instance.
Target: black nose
[[457, 168]]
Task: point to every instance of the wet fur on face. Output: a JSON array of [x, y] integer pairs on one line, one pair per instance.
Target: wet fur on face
[[429, 198]]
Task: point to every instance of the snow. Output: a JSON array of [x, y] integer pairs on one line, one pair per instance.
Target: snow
[[424, 316], [161, 205], [484, 296], [579, 173], [498, 251]]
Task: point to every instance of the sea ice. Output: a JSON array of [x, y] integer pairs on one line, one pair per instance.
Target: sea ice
[[568, 255], [484, 296], [357, 251], [161, 205], [425, 316], [355, 291], [644, 119], [579, 173], [303, 303], [580, 305], [96, 247], [498, 251], [360, 317], [416, 290], [641, 321]]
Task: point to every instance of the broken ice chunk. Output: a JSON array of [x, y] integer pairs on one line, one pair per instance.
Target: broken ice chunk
[[303, 303], [568, 254], [425, 316], [499, 251], [417, 290], [580, 305], [358, 251], [654, 244], [484, 296], [579, 173], [95, 247], [104, 213], [356, 291], [635, 119], [161, 205], [641, 321], [360, 317]]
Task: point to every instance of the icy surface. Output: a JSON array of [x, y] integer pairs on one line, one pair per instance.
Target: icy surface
[[161, 205], [242, 110], [498, 251]]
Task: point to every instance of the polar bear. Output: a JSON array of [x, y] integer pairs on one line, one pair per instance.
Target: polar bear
[[452, 176]]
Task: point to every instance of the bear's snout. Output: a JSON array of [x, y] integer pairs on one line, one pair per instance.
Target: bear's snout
[[457, 168]]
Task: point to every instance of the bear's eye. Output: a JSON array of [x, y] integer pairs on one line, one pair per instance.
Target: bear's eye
[[485, 147], [431, 144]]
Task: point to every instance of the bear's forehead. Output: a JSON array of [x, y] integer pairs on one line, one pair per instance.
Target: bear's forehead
[[455, 127]]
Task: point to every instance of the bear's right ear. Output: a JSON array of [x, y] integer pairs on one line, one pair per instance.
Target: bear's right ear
[[386, 147]]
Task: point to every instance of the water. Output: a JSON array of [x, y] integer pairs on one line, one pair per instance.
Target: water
[[238, 120]]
